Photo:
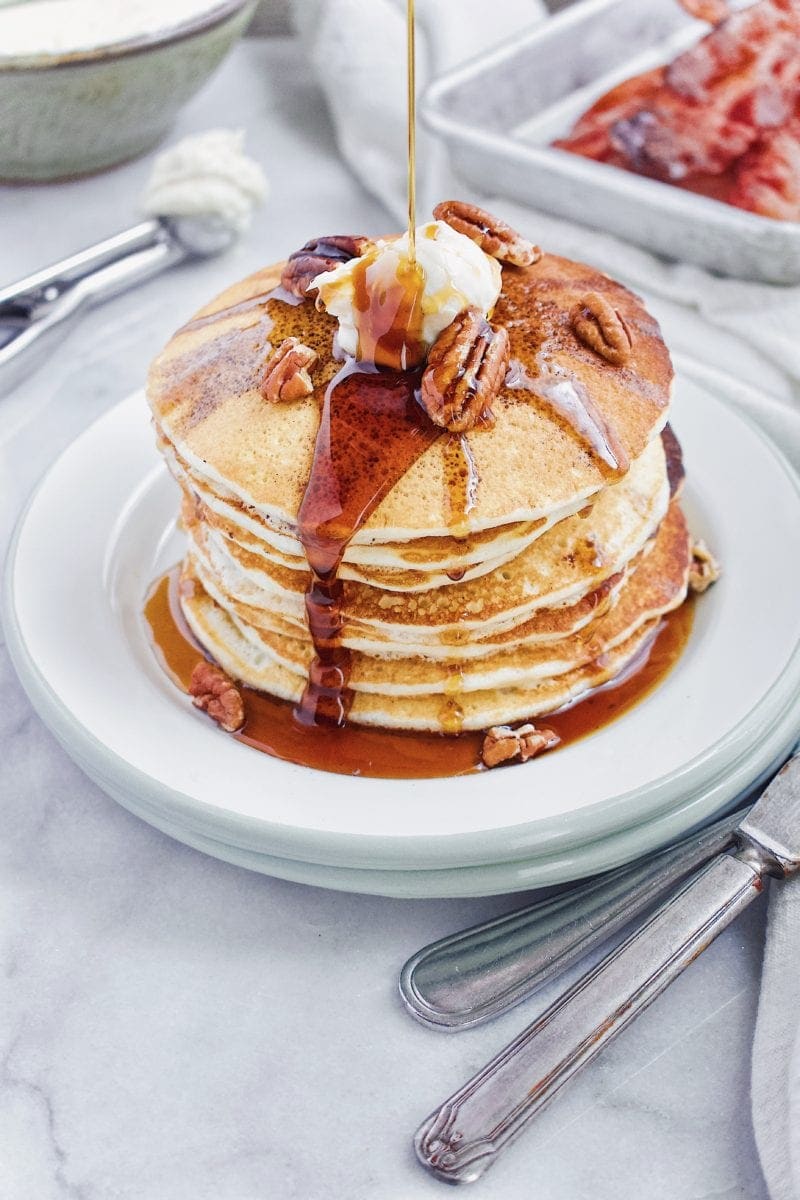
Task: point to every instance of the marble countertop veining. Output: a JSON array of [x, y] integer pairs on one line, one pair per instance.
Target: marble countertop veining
[[174, 1028]]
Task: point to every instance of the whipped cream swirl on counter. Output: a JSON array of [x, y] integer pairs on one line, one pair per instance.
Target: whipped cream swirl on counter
[[450, 273]]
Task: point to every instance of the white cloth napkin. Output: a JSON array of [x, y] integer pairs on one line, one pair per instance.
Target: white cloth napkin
[[747, 329], [358, 50]]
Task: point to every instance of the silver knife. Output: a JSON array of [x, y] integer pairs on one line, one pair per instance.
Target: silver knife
[[467, 1133], [476, 974]]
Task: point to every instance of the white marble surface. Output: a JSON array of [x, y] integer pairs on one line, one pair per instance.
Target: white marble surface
[[173, 1028]]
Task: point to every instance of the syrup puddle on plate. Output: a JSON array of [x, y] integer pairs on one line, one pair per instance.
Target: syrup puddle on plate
[[272, 726]]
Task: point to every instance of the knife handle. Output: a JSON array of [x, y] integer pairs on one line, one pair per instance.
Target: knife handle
[[465, 1135]]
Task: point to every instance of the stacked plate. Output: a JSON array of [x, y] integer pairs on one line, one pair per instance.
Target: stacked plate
[[101, 528]]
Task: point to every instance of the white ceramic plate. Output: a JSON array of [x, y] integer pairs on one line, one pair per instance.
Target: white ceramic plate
[[492, 879], [101, 527]]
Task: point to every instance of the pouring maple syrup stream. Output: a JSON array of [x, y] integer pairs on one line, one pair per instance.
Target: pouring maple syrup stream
[[412, 129], [371, 432]]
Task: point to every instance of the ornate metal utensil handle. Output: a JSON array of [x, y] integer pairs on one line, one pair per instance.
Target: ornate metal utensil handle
[[465, 1135]]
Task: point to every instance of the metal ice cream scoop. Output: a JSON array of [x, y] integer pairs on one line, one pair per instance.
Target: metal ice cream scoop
[[466, 1134], [199, 198], [36, 312]]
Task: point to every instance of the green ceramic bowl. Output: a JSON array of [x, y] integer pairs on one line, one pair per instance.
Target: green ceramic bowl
[[62, 116]]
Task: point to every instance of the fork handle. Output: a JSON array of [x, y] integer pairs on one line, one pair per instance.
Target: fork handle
[[465, 1135]]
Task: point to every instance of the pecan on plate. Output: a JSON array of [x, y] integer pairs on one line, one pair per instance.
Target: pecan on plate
[[494, 236], [600, 327], [216, 693], [287, 375], [318, 255], [704, 569], [502, 743], [466, 367]]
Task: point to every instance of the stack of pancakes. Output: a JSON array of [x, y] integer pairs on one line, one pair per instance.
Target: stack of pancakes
[[510, 570]]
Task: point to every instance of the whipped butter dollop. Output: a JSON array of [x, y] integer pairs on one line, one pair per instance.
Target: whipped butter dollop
[[450, 273], [206, 175]]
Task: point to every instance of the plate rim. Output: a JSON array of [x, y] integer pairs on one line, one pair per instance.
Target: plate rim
[[479, 879]]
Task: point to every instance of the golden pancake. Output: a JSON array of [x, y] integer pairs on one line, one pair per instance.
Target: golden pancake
[[657, 586], [203, 390], [232, 516], [216, 630], [571, 559]]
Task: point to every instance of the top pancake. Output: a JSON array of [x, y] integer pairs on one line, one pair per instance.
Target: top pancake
[[203, 390]]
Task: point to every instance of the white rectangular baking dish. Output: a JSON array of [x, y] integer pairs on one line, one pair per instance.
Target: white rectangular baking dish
[[498, 114]]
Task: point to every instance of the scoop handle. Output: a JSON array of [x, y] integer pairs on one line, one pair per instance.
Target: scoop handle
[[37, 312], [480, 972], [467, 1133]]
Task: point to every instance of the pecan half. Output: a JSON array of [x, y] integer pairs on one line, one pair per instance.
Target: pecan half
[[502, 743], [704, 569], [466, 367], [287, 375], [600, 327], [318, 255], [216, 693], [494, 236]]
